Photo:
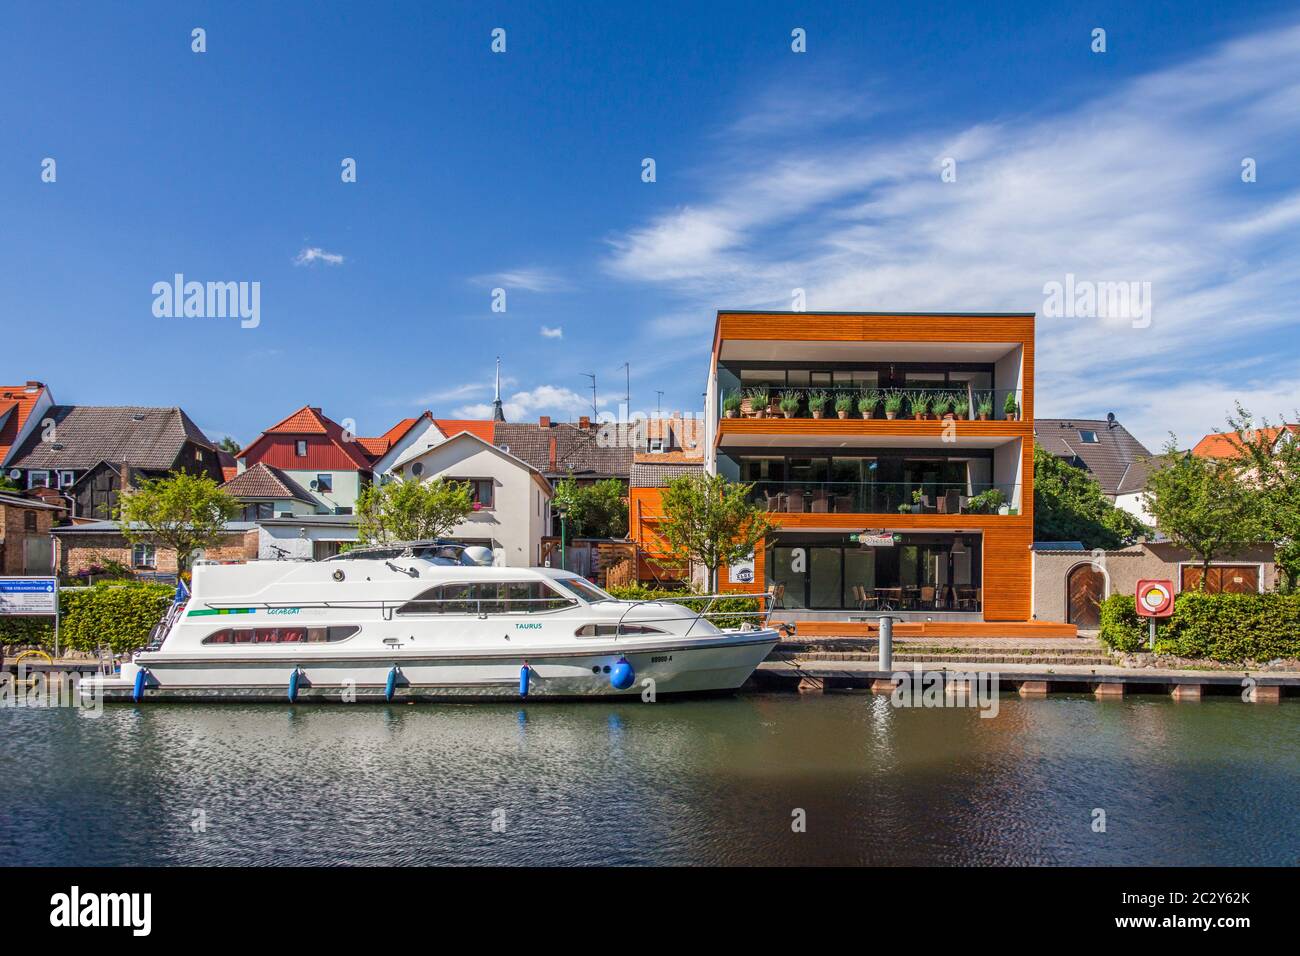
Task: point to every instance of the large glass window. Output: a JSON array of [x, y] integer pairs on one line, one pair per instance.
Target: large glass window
[[486, 597], [584, 589]]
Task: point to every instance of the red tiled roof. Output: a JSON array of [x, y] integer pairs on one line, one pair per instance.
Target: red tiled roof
[[374, 447], [311, 421], [484, 429], [16, 402], [1225, 445]]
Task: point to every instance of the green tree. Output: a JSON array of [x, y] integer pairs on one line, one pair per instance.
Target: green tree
[[594, 511], [182, 511], [1203, 505], [1270, 458], [228, 444], [711, 520], [8, 484], [411, 510], [1069, 505]]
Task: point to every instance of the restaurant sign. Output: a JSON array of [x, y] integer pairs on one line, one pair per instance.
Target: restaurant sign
[[876, 539]]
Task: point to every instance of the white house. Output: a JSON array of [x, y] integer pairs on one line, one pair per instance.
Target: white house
[[512, 500]]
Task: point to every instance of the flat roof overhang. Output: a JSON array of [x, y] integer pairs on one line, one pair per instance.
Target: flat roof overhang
[[807, 350]]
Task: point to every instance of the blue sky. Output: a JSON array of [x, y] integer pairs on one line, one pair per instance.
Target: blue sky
[[775, 170]]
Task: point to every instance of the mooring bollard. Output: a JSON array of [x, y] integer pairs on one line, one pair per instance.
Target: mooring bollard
[[886, 662]]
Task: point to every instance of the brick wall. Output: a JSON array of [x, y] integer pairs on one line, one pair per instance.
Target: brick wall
[[82, 551], [13, 532]]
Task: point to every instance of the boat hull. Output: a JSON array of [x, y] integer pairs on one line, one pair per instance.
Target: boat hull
[[719, 664]]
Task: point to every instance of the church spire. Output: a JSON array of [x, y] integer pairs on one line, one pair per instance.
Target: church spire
[[498, 415]]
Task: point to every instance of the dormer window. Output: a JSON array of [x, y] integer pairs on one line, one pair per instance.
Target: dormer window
[[1088, 437], [300, 448]]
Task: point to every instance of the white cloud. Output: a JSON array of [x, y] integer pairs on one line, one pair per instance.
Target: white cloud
[[316, 254], [1142, 184], [552, 333], [531, 280], [521, 406]]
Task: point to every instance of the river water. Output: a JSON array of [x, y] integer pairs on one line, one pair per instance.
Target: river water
[[721, 781]]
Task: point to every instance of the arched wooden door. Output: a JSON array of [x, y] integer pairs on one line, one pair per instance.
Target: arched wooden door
[[1085, 590]]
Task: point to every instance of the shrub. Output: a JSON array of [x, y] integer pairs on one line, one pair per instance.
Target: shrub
[[119, 616], [726, 612], [1229, 628]]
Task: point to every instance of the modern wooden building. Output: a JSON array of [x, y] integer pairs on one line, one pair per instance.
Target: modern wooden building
[[895, 453]]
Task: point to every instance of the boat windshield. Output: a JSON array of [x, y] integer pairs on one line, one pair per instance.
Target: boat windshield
[[583, 589]]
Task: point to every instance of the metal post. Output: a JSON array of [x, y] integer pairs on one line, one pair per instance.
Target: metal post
[[563, 564], [1152, 642], [886, 662], [56, 616]]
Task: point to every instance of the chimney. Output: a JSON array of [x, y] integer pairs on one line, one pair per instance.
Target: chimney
[[552, 454], [33, 385], [584, 422], [544, 421]]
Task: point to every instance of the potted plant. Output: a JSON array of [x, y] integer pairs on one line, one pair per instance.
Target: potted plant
[[758, 401], [904, 509], [893, 404], [984, 406], [845, 404], [868, 401], [986, 502], [961, 407], [789, 403], [731, 402], [818, 399], [941, 405], [1010, 408], [920, 402]]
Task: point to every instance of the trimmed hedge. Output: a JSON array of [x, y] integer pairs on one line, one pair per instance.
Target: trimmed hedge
[[718, 615], [1220, 627], [119, 616]]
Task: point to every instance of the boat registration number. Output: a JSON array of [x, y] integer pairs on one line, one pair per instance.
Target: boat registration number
[[661, 660]]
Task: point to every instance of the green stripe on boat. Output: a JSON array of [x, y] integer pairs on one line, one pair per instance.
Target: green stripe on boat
[[222, 610]]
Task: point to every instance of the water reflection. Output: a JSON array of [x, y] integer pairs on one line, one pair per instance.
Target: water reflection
[[674, 782]]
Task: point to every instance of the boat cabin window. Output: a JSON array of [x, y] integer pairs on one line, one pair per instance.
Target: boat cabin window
[[608, 630], [487, 597], [281, 635], [583, 589]]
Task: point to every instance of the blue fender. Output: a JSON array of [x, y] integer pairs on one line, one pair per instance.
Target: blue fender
[[621, 677], [523, 679], [391, 686], [141, 681], [293, 685]]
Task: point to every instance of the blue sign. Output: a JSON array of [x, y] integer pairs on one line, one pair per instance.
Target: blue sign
[[28, 595]]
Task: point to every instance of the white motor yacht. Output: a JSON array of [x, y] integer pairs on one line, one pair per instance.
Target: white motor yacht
[[424, 621]]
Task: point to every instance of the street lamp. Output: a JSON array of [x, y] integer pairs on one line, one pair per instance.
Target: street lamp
[[562, 510]]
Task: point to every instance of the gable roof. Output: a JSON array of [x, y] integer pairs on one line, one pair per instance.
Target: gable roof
[[308, 421], [16, 404], [658, 473], [1224, 444], [266, 481], [85, 435], [1107, 459], [561, 449], [467, 436]]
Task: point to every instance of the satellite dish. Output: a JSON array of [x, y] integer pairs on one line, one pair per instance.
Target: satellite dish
[[315, 485], [417, 469], [15, 474]]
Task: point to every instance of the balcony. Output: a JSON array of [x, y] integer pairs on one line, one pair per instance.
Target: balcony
[[886, 498], [857, 403]]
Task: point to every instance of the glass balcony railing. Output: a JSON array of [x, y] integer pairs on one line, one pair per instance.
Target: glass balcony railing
[[850, 497], [996, 404]]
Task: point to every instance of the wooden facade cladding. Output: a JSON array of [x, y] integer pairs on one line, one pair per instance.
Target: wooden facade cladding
[[1006, 539], [323, 454]]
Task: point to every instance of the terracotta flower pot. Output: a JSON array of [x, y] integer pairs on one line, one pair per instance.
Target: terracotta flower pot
[[817, 413], [842, 413], [728, 413], [787, 414], [889, 415], [984, 416]]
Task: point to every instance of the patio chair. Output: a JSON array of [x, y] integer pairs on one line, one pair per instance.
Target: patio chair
[[927, 597], [773, 502], [796, 503], [818, 502], [951, 503], [911, 597]]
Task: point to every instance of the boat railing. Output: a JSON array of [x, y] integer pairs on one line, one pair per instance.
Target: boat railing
[[763, 612], [386, 608]]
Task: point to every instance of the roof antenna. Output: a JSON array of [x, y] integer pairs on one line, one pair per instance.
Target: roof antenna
[[592, 376]]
